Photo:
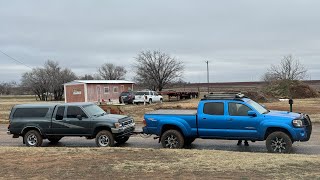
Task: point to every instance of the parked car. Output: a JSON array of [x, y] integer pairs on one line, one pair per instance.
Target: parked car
[[232, 118], [54, 121], [126, 97], [147, 96]]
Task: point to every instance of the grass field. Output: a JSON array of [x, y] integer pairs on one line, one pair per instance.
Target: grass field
[[309, 106], [125, 163]]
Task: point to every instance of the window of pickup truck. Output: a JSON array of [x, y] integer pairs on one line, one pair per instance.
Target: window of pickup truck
[[74, 111], [238, 109], [60, 113], [30, 112], [214, 108]]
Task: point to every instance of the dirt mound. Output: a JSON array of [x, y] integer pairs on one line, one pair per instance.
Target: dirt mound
[[260, 96], [302, 91]]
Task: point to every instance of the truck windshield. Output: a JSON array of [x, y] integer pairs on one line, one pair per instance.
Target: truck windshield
[[94, 110], [258, 107]]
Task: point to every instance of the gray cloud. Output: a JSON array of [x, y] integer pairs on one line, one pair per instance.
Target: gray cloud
[[239, 38]]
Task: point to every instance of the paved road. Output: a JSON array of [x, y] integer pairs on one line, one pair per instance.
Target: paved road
[[310, 147]]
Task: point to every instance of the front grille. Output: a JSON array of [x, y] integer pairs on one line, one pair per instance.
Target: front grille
[[307, 122]]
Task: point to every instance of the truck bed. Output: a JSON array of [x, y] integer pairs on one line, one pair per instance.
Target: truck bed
[[173, 112]]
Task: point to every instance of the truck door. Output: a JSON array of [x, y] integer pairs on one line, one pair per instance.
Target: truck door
[[77, 121], [212, 121], [66, 122], [241, 125]]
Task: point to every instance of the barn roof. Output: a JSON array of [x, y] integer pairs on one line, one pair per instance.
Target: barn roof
[[99, 82]]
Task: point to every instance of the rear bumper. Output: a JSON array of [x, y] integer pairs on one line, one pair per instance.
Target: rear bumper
[[8, 132], [139, 101]]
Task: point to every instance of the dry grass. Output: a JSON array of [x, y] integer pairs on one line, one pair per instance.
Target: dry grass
[[109, 163]]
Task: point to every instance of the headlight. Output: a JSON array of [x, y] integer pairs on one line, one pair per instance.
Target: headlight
[[117, 125], [297, 123]]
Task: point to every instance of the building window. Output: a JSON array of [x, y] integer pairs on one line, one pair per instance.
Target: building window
[[76, 91], [106, 90], [115, 89]]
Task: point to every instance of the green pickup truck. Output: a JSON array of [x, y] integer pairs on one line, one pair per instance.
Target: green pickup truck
[[35, 122]]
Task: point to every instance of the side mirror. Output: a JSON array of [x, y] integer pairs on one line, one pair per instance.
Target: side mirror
[[252, 113], [79, 117]]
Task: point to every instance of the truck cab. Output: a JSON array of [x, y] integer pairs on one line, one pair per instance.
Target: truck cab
[[35, 122], [232, 117]]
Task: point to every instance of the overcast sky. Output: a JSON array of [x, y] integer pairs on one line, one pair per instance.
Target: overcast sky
[[240, 39]]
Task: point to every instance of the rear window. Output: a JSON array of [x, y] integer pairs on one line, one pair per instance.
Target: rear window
[[124, 94], [142, 93], [213, 108], [30, 112]]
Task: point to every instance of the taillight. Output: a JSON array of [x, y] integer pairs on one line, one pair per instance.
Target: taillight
[[144, 122], [9, 126]]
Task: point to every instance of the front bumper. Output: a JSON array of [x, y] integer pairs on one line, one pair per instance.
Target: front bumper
[[124, 131], [8, 132]]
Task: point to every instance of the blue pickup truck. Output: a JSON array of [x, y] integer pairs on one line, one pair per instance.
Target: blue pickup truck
[[232, 117]]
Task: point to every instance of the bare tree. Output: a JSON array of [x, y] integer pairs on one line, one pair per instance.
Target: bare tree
[[155, 69], [6, 87], [90, 77], [110, 71], [48, 80], [289, 69], [283, 79]]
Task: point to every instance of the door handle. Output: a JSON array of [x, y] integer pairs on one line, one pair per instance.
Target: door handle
[[204, 118]]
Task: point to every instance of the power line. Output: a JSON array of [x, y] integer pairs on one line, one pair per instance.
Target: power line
[[15, 59]]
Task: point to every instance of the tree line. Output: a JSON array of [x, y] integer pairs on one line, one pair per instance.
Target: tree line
[[154, 70]]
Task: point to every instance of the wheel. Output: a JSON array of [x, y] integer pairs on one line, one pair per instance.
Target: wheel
[[161, 100], [172, 139], [104, 139], [278, 142], [150, 101], [54, 139], [188, 141], [33, 138], [122, 140]]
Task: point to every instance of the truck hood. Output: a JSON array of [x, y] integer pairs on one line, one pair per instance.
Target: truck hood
[[111, 117], [285, 114]]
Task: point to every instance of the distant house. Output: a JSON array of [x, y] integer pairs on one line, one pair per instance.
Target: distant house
[[95, 90]]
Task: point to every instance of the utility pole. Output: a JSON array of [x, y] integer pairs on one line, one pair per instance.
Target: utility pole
[[208, 75]]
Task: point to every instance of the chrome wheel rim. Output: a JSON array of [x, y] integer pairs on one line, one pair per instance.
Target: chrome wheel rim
[[171, 142], [32, 140], [104, 140], [278, 145]]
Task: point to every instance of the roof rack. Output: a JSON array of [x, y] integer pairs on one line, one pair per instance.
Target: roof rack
[[224, 95]]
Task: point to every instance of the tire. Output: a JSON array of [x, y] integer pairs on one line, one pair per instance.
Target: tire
[[33, 138], [188, 141], [104, 139], [122, 140], [172, 139], [279, 142], [55, 139], [150, 101], [161, 100]]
